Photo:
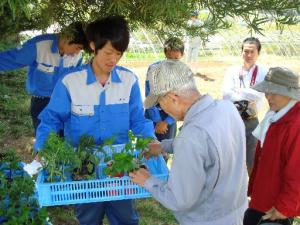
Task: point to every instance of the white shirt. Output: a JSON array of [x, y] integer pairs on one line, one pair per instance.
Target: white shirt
[[194, 40], [236, 89]]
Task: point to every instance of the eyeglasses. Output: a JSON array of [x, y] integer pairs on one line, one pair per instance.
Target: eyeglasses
[[157, 105]]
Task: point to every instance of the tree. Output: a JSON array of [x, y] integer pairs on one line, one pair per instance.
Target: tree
[[21, 15], [165, 16]]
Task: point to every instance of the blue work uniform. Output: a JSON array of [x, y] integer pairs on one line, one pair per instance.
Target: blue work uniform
[[45, 67], [156, 114], [85, 107]]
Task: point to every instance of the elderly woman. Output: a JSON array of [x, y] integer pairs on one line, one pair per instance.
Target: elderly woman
[[274, 186]]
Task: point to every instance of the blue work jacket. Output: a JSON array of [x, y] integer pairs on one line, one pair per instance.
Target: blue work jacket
[[83, 106], [46, 65]]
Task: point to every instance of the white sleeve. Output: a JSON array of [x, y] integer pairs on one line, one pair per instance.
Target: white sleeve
[[228, 85], [250, 94]]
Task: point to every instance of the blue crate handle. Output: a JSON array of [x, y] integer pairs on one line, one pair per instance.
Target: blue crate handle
[[157, 165]]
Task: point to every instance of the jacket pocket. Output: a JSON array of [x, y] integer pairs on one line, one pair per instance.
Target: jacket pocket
[[46, 68], [83, 110]]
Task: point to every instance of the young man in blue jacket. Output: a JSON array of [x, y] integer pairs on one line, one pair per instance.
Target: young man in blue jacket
[[102, 100], [164, 124], [47, 56]]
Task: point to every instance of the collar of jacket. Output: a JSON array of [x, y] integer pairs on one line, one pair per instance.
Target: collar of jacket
[[201, 104], [290, 115], [54, 46], [91, 78]]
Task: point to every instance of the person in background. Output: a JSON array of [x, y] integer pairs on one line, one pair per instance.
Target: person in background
[[236, 88], [47, 56], [193, 40], [208, 177], [102, 100], [274, 186], [165, 125]]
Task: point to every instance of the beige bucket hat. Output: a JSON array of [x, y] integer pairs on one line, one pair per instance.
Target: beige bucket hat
[[166, 76], [281, 81]]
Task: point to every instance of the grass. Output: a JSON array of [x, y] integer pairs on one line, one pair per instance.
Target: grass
[[15, 120], [151, 212]]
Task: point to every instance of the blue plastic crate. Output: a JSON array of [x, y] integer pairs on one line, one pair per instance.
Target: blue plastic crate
[[99, 190]]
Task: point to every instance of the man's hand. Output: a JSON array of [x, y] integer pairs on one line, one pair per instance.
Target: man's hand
[[274, 214], [140, 176], [154, 148], [38, 158], [161, 127], [253, 105]]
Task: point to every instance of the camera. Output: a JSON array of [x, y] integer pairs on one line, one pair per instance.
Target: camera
[[245, 111]]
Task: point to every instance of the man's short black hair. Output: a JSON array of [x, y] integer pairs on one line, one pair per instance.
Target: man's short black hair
[[77, 33], [113, 29], [252, 40], [174, 44]]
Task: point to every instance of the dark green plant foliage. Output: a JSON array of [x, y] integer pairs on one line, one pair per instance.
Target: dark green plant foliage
[[59, 158], [88, 160], [21, 15], [62, 159], [124, 162], [166, 17], [17, 204]]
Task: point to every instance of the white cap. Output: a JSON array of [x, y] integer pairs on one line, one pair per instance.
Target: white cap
[[166, 76]]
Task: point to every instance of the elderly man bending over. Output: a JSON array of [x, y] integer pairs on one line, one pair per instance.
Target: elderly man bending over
[[208, 179]]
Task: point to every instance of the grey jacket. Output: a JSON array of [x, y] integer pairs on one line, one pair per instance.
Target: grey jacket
[[208, 178]]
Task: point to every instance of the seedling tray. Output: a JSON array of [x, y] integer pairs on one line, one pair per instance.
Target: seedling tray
[[98, 190]]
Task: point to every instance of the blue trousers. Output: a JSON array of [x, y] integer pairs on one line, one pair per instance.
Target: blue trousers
[[171, 133], [118, 213], [37, 105]]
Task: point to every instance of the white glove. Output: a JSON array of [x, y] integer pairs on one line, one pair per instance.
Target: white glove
[[33, 168]]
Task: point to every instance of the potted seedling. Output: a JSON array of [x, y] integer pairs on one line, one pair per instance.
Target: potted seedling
[[88, 160], [10, 165], [122, 162], [17, 202], [129, 159], [59, 158]]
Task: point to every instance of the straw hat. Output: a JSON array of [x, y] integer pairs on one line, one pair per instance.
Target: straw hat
[[281, 81], [166, 76]]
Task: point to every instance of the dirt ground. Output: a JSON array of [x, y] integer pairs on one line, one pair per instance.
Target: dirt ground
[[209, 73]]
